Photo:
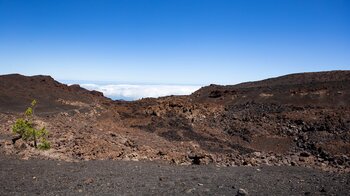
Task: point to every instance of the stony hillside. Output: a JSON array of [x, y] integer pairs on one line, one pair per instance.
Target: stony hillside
[[18, 90], [299, 119]]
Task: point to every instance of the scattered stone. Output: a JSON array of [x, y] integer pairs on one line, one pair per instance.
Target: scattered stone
[[196, 159], [190, 190], [323, 190], [23, 146], [113, 134], [88, 181], [242, 192], [257, 154], [161, 153], [304, 154]]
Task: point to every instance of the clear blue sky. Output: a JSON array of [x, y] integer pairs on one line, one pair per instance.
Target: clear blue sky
[[173, 41]]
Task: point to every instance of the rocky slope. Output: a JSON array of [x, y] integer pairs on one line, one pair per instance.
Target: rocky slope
[[299, 119], [17, 91]]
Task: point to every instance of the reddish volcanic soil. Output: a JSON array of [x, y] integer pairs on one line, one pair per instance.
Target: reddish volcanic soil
[[294, 120]]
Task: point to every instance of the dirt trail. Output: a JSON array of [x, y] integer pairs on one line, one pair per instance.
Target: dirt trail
[[46, 177]]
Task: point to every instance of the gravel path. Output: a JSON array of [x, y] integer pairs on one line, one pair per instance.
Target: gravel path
[[44, 177]]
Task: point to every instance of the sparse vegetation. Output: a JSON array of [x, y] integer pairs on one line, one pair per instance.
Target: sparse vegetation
[[26, 129]]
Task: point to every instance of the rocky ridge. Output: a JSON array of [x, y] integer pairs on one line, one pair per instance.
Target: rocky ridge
[[297, 120]]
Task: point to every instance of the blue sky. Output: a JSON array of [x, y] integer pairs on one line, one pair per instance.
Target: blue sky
[[173, 41]]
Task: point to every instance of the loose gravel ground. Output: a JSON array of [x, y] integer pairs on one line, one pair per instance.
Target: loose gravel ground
[[46, 177]]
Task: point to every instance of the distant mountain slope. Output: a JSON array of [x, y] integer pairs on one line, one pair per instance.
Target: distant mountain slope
[[17, 92], [300, 78], [319, 88]]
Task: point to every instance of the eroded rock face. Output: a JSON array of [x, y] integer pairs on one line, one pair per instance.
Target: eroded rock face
[[301, 119]]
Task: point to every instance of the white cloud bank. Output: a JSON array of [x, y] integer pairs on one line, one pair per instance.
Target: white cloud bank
[[134, 92]]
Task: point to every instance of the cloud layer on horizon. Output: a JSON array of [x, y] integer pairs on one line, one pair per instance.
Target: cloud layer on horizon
[[134, 92]]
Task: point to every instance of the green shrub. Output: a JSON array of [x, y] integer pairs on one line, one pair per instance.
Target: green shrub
[[26, 129], [44, 144]]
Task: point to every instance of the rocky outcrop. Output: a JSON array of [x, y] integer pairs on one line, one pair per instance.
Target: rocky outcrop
[[295, 120]]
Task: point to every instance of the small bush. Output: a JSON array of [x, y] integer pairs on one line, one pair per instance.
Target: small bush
[[26, 129], [44, 144]]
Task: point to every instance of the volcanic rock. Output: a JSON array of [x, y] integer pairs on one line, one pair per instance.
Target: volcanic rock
[[298, 119]]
